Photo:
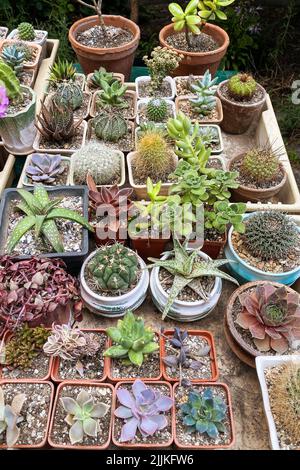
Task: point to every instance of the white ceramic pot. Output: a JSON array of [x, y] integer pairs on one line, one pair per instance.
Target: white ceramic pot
[[145, 78]]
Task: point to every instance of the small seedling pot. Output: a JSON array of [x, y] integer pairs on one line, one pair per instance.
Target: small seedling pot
[[62, 151], [217, 120], [26, 180], [94, 111], [147, 79]]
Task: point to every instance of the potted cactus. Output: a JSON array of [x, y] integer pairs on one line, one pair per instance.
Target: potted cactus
[[142, 415], [26, 32], [242, 101], [70, 95], [113, 279], [157, 110], [17, 113], [15, 58], [63, 71], [50, 170], [95, 79], [133, 350]]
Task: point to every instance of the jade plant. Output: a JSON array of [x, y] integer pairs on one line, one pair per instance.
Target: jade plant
[[132, 340], [242, 87], [272, 317], [10, 417], [205, 100], [142, 409], [41, 213], [44, 168], [163, 62], [83, 415]]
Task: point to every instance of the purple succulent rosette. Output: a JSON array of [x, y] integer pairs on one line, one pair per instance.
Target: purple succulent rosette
[[4, 102], [44, 168], [142, 410]]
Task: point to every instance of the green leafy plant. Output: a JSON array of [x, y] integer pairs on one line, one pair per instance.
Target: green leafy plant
[[205, 90], [162, 63], [132, 340], [112, 96], [100, 76], [190, 185], [187, 19], [10, 417], [212, 9], [157, 110], [41, 212], [10, 82], [14, 58], [222, 214], [62, 71], [26, 31], [220, 183]]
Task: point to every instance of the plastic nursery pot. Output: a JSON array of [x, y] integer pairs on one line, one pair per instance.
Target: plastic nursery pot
[[114, 306], [180, 100], [68, 445], [94, 110], [55, 377], [114, 59], [143, 445], [26, 182], [246, 194], [82, 112], [213, 247], [196, 63], [212, 385], [244, 272], [238, 117], [147, 247], [40, 39], [118, 76], [144, 101], [213, 356], [146, 79], [218, 149], [184, 78], [43, 442], [17, 129], [63, 151], [115, 380]]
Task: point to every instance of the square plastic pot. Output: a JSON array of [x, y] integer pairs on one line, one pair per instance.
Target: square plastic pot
[[25, 182], [146, 78]]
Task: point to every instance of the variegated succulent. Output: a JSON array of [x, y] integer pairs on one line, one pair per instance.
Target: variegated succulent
[[57, 122], [44, 168]]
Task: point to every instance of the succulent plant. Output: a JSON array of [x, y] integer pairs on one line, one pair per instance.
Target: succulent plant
[[190, 184], [57, 123], [242, 86], [25, 344], [10, 417], [211, 10], [68, 95], [98, 160], [187, 268], [132, 340], [205, 90], [142, 409], [209, 135], [109, 126], [157, 110], [24, 49], [13, 57], [112, 196], [270, 235], [112, 96], [41, 212], [100, 76], [222, 214], [83, 415], [62, 71], [26, 31], [261, 165], [44, 168], [163, 62], [204, 413], [272, 316], [114, 268], [10, 82], [186, 19]]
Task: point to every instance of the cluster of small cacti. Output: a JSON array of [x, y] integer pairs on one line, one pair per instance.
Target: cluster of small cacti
[[44, 168], [68, 94], [109, 126], [26, 31], [205, 100], [57, 122], [163, 62], [157, 110], [260, 164], [13, 57], [242, 86]]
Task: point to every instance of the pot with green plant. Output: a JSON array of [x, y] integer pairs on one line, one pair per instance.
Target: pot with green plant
[[17, 113], [94, 80], [64, 71], [26, 32], [157, 110], [112, 129], [31, 53], [50, 170], [202, 44], [212, 138], [70, 95], [113, 279], [243, 100], [15, 58], [115, 98]]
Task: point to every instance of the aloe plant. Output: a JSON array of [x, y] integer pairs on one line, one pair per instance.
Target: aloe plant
[[41, 212]]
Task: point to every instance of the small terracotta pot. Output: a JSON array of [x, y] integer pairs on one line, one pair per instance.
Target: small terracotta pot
[[213, 357], [212, 446], [55, 377], [94, 112], [44, 441], [238, 117], [114, 59], [144, 445], [247, 194], [196, 63], [79, 446], [147, 247], [213, 248], [180, 99]]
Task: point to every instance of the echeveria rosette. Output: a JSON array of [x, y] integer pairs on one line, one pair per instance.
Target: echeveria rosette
[[142, 410], [44, 168], [272, 316], [4, 102]]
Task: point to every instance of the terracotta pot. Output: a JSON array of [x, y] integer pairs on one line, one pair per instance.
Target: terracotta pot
[[213, 248], [115, 59], [79, 446], [196, 63], [238, 117], [181, 99], [230, 322], [211, 446], [44, 441], [247, 194], [143, 445], [147, 247], [55, 377], [213, 357]]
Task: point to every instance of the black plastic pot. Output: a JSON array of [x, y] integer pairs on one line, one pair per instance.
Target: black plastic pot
[[73, 260]]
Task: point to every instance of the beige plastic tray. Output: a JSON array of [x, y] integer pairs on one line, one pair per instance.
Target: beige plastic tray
[[6, 169], [41, 82]]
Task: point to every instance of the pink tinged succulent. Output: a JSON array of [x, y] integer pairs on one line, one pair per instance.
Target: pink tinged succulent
[[44, 168], [142, 410], [4, 102], [272, 316]]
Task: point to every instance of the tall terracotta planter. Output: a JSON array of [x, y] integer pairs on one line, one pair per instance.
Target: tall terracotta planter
[[115, 59], [197, 63]]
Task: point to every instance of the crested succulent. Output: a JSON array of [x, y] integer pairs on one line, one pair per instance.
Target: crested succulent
[[41, 212], [261, 165], [112, 96], [242, 86], [157, 110], [10, 417], [187, 267], [57, 122], [272, 316], [68, 95], [163, 62], [10, 82], [205, 90], [100, 76], [83, 415], [270, 235], [204, 413], [109, 126], [132, 340], [26, 31], [62, 71], [44, 168], [13, 57], [143, 410], [103, 163], [114, 268]]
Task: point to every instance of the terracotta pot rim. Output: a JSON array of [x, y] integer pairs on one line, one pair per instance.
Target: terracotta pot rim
[[241, 104], [133, 27], [169, 28]]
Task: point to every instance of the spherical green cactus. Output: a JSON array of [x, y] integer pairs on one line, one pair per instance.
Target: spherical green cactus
[[69, 94], [242, 86], [261, 165], [157, 110], [114, 268], [109, 127], [26, 31]]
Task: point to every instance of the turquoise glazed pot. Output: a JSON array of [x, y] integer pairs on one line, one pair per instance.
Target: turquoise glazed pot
[[244, 272]]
